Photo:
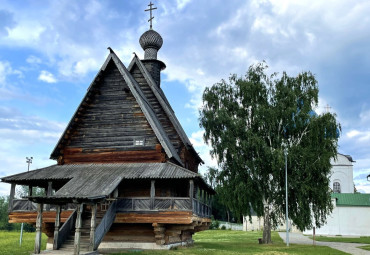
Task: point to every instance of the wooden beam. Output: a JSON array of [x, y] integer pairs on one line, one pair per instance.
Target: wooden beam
[[78, 229], [152, 194], [56, 228], [11, 198], [92, 226], [191, 192], [49, 192], [38, 229], [30, 190]]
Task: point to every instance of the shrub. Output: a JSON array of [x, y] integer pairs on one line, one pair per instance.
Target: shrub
[[215, 224]]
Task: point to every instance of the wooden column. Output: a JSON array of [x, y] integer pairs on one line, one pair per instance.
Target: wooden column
[[78, 229], [56, 228], [11, 198], [38, 229], [49, 193], [92, 226], [191, 192], [30, 190], [152, 194]]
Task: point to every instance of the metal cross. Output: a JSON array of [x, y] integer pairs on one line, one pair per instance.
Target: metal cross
[[151, 17], [327, 108]]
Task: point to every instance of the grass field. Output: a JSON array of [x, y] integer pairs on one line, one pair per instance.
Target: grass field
[[238, 242], [206, 243], [362, 239], [9, 243]]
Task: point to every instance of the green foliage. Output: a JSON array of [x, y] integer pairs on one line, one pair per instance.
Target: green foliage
[[223, 227], [4, 224], [249, 121], [215, 224]]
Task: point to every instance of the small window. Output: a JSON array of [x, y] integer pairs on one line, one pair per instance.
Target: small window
[[139, 142], [336, 187]]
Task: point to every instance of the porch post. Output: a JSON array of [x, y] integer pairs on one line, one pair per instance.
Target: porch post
[[56, 228], [191, 192], [78, 229], [152, 194], [38, 228], [92, 226], [11, 197], [49, 193], [29, 190]]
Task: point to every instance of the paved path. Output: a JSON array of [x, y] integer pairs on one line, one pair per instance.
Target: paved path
[[350, 248]]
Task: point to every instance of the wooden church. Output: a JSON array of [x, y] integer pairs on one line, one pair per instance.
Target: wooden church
[[126, 173]]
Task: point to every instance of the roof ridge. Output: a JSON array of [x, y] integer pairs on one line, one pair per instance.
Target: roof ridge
[[162, 99], [146, 108]]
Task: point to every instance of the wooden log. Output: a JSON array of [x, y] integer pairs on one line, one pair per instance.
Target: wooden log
[[11, 197], [56, 228], [191, 192], [93, 226], [78, 229], [152, 194], [49, 193], [38, 228]]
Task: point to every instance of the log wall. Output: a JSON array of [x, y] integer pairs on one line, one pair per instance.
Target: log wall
[[107, 125]]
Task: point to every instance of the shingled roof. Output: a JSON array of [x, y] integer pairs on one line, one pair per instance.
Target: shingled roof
[[161, 97], [99, 180], [140, 99]]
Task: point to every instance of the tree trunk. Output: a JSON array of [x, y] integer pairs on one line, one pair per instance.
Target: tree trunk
[[266, 226], [228, 216]]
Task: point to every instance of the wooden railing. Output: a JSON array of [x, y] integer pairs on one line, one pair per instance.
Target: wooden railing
[[201, 209], [27, 205], [157, 204], [23, 205], [163, 204], [105, 224], [66, 229]]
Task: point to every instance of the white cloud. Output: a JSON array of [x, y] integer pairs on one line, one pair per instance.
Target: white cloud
[[182, 3], [47, 77], [204, 151], [33, 60], [5, 70]]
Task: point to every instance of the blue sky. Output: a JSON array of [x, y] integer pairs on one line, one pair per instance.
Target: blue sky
[[50, 51]]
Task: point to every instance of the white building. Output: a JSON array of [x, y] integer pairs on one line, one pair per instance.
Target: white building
[[350, 212], [341, 179]]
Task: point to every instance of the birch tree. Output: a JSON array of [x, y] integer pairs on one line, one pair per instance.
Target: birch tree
[[248, 122]]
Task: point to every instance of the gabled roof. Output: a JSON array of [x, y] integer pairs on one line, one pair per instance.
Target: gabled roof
[[141, 100], [99, 180], [157, 91]]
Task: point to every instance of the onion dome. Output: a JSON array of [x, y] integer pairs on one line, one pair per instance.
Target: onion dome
[[151, 42]]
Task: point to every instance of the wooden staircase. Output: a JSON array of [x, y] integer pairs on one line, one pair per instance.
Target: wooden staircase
[[68, 245]]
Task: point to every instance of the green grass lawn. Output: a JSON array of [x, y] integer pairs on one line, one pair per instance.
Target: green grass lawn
[[9, 243], [340, 239], [238, 242], [206, 242]]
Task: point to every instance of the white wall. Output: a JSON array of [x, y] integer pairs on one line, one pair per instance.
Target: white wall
[[346, 220], [342, 172]]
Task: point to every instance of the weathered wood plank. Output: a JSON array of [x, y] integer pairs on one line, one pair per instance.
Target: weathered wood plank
[[38, 229]]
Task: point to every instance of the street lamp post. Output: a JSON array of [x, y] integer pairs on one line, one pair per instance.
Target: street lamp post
[[29, 161], [286, 195]]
